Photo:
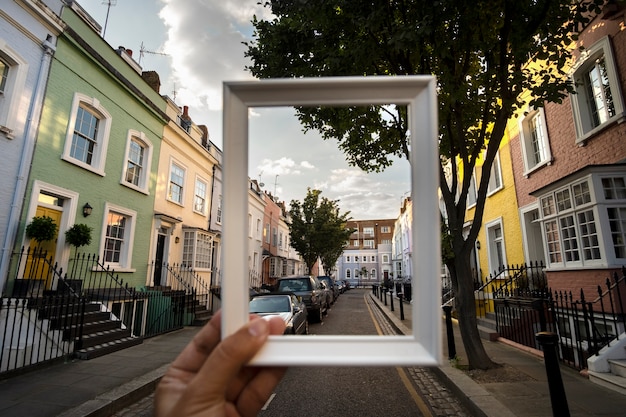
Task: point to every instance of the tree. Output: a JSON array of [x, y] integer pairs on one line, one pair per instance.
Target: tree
[[317, 230], [490, 58], [78, 235], [41, 229]]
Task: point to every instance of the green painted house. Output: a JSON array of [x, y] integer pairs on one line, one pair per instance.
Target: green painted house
[[96, 157]]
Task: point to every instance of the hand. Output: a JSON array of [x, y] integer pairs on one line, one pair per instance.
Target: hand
[[209, 377]]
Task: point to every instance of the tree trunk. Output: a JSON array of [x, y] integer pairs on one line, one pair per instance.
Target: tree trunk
[[465, 304]]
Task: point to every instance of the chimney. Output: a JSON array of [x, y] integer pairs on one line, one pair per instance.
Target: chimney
[[186, 112], [152, 79]]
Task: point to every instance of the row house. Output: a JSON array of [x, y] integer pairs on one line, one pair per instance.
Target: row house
[[402, 243], [97, 151], [278, 257], [569, 163], [28, 38], [367, 257]]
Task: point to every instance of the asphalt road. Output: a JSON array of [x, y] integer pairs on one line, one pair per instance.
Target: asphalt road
[[344, 391]]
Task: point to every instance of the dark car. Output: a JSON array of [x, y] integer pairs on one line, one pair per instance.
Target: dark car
[[331, 286], [308, 288], [286, 305]]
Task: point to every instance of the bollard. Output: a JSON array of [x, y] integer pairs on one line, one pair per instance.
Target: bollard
[[450, 332], [385, 295], [391, 299], [401, 306], [549, 342]]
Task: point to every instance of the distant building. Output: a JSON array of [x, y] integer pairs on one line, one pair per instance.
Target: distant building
[[368, 257]]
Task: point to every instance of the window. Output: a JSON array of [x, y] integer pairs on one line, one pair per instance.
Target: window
[[598, 100], [249, 225], [471, 192], [138, 158], [200, 196], [496, 252], [572, 221], [13, 72], [218, 216], [266, 232], [258, 229], [534, 139], [274, 236], [373, 258], [385, 259], [368, 231], [177, 183], [368, 243], [87, 136], [348, 258], [373, 274], [495, 176], [355, 243], [280, 240], [118, 236], [386, 241], [273, 267], [348, 272], [385, 229], [197, 249]]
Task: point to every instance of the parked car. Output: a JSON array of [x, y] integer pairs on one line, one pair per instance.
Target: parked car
[[310, 289], [286, 305], [332, 286], [341, 286]]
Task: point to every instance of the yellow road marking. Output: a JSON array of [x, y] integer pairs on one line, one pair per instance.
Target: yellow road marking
[[421, 405]]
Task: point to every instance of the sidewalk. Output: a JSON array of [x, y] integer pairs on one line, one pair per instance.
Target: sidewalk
[[97, 387], [529, 395]]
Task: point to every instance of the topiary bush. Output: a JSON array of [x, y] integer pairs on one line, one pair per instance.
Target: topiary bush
[[41, 229]]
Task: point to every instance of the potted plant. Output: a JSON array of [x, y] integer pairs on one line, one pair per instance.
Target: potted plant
[[41, 229], [78, 235]]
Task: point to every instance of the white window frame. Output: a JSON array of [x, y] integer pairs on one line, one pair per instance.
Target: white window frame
[[218, 214], [92, 105], [495, 176], [144, 178], [126, 254], [204, 209], [385, 229], [472, 196], [258, 229], [368, 243], [494, 242], [197, 246], [582, 116], [533, 128], [13, 90], [385, 259], [182, 186]]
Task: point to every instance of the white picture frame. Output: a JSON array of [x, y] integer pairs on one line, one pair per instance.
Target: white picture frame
[[423, 346]]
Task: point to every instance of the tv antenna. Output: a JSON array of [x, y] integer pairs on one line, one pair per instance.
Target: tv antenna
[[261, 182], [143, 50], [109, 3]]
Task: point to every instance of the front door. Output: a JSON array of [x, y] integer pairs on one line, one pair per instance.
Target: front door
[[37, 268], [158, 260]]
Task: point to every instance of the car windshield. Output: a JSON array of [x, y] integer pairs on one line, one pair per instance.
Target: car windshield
[[293, 285], [269, 305]]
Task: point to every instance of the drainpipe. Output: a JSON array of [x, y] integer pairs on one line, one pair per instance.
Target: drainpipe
[[30, 130]]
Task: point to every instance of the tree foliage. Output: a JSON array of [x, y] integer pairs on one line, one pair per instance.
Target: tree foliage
[[491, 59], [317, 229]]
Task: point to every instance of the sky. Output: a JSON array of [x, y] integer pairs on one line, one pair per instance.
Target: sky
[[196, 45]]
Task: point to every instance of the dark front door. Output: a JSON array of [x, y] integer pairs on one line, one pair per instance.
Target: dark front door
[[158, 261]]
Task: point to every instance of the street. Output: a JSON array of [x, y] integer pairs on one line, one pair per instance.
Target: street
[[344, 391], [350, 391]]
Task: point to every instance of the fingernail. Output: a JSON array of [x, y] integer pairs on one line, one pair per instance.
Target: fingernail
[[259, 327]]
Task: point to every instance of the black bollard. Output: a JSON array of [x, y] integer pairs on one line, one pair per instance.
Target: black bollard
[[401, 306], [391, 299], [549, 343], [449, 332], [385, 295]]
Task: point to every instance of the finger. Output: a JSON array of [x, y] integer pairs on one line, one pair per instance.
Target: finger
[[258, 390], [195, 353]]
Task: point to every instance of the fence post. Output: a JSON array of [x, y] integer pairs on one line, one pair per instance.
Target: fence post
[[401, 306], [449, 332], [549, 343], [391, 298]]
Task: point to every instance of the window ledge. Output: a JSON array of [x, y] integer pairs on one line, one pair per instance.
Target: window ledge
[[7, 132], [617, 119]]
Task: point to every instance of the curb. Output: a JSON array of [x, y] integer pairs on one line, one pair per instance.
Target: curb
[[118, 398], [475, 398]]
